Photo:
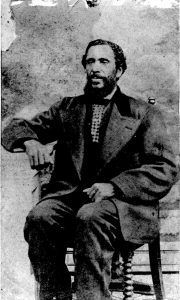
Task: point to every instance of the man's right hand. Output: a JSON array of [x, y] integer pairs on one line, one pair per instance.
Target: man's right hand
[[39, 155]]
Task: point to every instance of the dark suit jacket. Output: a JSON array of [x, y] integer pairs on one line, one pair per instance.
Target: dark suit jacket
[[136, 156]]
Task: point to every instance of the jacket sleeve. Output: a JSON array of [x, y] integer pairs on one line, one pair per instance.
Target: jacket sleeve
[[44, 127], [158, 171]]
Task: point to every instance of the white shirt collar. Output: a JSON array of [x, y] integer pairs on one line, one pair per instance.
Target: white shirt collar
[[109, 97]]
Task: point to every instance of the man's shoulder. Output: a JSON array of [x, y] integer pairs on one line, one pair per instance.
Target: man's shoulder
[[67, 102], [138, 108]]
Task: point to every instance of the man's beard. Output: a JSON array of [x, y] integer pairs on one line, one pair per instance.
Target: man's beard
[[108, 87]]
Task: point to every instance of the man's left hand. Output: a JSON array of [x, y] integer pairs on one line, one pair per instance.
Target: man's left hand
[[100, 191]]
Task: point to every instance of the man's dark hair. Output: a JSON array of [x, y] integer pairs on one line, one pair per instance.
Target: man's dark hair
[[119, 56]]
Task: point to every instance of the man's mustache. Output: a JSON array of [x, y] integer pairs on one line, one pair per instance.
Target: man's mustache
[[95, 76]]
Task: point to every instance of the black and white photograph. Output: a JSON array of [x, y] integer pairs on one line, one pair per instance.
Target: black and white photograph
[[90, 168]]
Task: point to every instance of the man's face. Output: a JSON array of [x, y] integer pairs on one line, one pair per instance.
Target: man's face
[[101, 70]]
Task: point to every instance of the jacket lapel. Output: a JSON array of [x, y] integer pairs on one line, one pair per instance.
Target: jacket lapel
[[119, 131], [74, 124]]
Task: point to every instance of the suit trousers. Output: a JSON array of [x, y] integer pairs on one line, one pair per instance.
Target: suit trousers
[[52, 225]]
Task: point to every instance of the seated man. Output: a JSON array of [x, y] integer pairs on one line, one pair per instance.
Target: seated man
[[113, 163]]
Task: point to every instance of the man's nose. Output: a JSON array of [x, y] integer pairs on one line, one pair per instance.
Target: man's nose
[[96, 67]]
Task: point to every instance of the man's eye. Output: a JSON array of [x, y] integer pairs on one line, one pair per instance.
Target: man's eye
[[104, 61], [89, 61]]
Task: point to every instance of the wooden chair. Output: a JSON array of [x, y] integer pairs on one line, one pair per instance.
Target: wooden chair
[[128, 285], [125, 283], [122, 275]]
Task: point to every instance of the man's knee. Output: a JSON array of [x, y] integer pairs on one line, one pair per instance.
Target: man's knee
[[89, 213], [36, 219], [99, 211], [37, 215]]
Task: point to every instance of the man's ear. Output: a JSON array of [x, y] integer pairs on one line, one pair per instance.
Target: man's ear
[[119, 73]]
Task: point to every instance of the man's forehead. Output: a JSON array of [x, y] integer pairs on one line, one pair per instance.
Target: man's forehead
[[100, 51]]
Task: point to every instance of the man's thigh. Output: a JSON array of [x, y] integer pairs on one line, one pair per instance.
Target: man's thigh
[[104, 214]]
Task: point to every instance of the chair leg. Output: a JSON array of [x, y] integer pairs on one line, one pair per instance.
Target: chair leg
[[156, 269], [127, 273]]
